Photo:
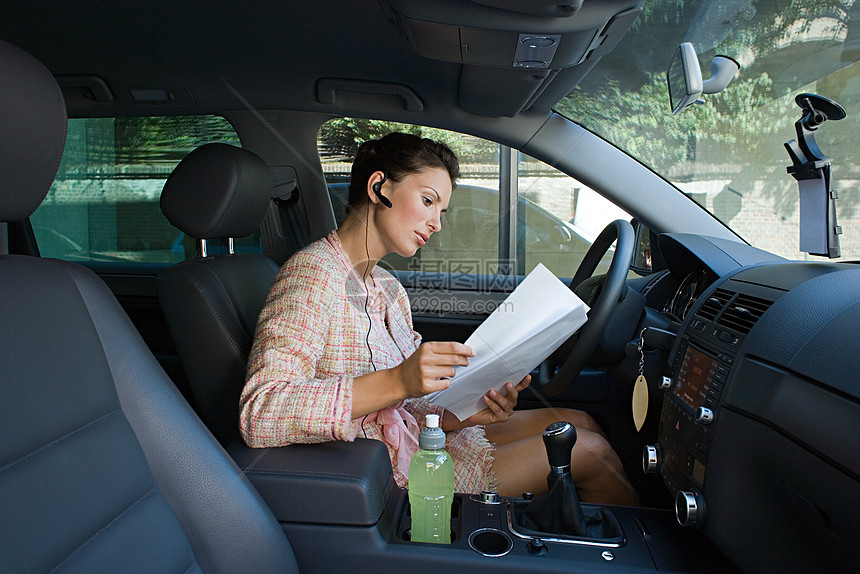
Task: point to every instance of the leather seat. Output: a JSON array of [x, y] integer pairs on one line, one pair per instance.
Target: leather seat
[[211, 304], [103, 465]]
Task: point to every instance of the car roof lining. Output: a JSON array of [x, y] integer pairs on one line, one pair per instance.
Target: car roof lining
[[274, 54]]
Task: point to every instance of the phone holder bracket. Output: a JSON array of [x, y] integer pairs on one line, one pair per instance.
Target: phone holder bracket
[[819, 233]]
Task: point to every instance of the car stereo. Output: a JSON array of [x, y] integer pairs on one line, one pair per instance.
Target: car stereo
[[687, 419], [689, 412], [695, 377]]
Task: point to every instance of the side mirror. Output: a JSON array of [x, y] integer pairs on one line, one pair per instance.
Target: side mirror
[[642, 263], [684, 77], [560, 235]]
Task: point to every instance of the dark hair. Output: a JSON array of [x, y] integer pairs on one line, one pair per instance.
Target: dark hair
[[398, 155]]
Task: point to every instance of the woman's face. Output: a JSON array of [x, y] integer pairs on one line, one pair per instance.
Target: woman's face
[[417, 204]]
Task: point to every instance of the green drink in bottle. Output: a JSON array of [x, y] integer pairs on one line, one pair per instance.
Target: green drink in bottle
[[431, 486]]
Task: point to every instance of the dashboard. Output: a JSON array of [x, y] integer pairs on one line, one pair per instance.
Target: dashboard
[[761, 404]]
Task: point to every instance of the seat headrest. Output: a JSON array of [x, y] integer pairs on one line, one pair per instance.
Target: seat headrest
[[218, 190], [32, 132]]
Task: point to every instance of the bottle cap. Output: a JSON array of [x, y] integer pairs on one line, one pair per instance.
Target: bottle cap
[[432, 437]]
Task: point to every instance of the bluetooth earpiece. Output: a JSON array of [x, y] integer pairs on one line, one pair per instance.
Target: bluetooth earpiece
[[377, 189]]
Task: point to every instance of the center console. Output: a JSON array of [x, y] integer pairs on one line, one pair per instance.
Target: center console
[[485, 538], [339, 507], [486, 526], [703, 361]]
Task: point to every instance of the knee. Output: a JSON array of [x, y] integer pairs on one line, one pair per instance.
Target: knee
[[600, 475], [598, 450], [581, 420]]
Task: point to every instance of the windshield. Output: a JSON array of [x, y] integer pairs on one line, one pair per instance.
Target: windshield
[[728, 154]]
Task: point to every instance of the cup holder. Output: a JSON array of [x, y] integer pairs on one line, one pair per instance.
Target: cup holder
[[490, 542]]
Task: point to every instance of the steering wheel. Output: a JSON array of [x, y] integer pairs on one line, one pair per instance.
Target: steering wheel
[[614, 287]]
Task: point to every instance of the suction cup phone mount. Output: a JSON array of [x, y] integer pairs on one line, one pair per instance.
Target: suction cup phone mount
[[816, 110], [819, 233]]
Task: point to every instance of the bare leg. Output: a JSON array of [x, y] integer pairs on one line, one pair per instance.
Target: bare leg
[[524, 424], [521, 464]]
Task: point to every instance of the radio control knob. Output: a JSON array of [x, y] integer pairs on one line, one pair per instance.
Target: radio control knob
[[651, 458], [704, 415], [690, 509], [665, 384]]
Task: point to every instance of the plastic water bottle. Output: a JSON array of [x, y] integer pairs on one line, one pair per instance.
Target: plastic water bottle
[[431, 486]]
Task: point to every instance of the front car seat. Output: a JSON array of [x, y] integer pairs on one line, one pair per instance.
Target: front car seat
[[211, 303], [103, 465]]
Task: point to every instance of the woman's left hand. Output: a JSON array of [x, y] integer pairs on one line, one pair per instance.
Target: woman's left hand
[[499, 407]]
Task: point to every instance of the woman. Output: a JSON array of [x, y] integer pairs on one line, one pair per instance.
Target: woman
[[335, 355]]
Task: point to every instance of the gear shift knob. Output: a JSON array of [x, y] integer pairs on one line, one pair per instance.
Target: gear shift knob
[[559, 438]]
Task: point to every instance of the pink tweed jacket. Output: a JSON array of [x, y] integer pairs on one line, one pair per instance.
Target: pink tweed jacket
[[312, 339]]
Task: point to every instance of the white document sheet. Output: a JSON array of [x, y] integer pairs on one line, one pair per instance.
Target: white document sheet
[[532, 322]]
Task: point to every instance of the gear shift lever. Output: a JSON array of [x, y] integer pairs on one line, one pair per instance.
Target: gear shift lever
[[559, 512], [559, 439]]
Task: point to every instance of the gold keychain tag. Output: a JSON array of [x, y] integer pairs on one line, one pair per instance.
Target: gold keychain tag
[[640, 402], [640, 390]]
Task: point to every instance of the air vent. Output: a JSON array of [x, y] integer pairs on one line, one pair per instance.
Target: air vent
[[712, 307], [743, 313]]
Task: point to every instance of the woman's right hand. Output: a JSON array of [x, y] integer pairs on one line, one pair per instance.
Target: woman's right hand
[[427, 370], [431, 366]]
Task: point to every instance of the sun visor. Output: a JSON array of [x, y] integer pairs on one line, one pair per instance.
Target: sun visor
[[500, 48], [511, 49], [480, 91], [501, 33]]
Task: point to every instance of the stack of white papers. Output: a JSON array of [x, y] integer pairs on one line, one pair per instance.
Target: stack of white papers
[[534, 320]]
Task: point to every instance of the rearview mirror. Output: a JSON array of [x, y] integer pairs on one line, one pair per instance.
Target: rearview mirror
[[684, 78]]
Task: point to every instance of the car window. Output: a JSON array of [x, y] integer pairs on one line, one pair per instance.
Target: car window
[[555, 221], [562, 218], [104, 203]]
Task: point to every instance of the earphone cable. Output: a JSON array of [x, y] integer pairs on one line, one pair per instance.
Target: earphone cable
[[366, 304]]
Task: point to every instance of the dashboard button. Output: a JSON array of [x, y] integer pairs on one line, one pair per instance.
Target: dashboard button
[[690, 509], [704, 415], [651, 458]]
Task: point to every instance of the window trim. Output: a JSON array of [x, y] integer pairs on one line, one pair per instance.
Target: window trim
[[508, 198]]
